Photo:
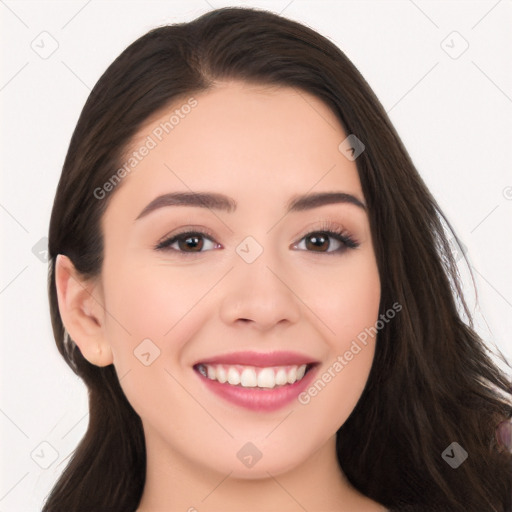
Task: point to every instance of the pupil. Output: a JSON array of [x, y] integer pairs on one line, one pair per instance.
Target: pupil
[[318, 241], [194, 244]]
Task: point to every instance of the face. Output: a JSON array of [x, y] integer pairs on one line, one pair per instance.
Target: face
[[259, 291]]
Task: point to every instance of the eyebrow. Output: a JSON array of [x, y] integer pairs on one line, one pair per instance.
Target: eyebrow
[[216, 201]]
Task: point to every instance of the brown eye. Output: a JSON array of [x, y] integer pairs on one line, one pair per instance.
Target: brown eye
[[320, 242], [325, 241], [188, 242], [193, 242]]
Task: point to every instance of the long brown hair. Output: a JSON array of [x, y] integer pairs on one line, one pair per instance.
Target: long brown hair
[[433, 382]]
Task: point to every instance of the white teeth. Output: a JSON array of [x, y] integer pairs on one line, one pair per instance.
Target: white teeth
[[251, 377], [248, 378], [292, 375], [281, 377], [211, 372], [266, 378], [221, 374], [233, 376]]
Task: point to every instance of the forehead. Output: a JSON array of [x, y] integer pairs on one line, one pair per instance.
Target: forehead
[[248, 139]]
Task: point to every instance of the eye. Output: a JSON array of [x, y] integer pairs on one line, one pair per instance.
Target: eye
[[317, 241], [187, 242], [196, 242]]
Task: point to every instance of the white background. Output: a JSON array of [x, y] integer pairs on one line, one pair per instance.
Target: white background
[[454, 116]]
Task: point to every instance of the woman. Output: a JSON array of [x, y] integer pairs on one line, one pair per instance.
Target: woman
[[257, 288]]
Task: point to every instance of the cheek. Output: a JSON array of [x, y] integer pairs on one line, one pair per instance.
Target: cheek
[[347, 300], [144, 304], [349, 308], [149, 321], [343, 375], [333, 394]]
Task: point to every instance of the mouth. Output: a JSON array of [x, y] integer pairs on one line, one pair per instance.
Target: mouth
[[269, 377], [259, 382]]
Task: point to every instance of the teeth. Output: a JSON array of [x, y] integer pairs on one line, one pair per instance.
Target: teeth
[[211, 372], [248, 378], [221, 374], [281, 377], [266, 378], [233, 376], [251, 376]]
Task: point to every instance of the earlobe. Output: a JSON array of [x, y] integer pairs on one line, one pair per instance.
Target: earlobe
[[82, 312]]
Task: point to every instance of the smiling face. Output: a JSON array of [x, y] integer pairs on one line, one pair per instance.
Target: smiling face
[[261, 276]]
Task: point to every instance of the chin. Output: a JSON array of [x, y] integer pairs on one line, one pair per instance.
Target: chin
[[263, 468]]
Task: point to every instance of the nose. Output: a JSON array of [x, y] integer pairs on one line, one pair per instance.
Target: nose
[[260, 293]]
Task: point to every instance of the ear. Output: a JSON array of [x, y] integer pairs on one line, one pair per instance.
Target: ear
[[82, 312]]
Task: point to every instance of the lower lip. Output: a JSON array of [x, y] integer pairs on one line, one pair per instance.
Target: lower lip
[[256, 399]]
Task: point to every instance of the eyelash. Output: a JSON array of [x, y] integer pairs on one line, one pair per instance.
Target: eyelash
[[326, 228]]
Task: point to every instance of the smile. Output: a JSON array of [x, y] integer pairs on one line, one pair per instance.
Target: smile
[[252, 376], [255, 381]]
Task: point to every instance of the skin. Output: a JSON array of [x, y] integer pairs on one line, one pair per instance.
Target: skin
[[260, 146]]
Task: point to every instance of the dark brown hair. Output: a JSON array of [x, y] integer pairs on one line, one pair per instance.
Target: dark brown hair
[[432, 382]]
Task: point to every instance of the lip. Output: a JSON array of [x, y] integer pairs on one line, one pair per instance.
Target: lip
[[258, 400], [259, 359]]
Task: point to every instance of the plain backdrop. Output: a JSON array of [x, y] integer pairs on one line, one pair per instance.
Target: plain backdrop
[[441, 69]]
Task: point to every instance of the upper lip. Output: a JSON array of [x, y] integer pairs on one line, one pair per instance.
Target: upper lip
[[249, 358]]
